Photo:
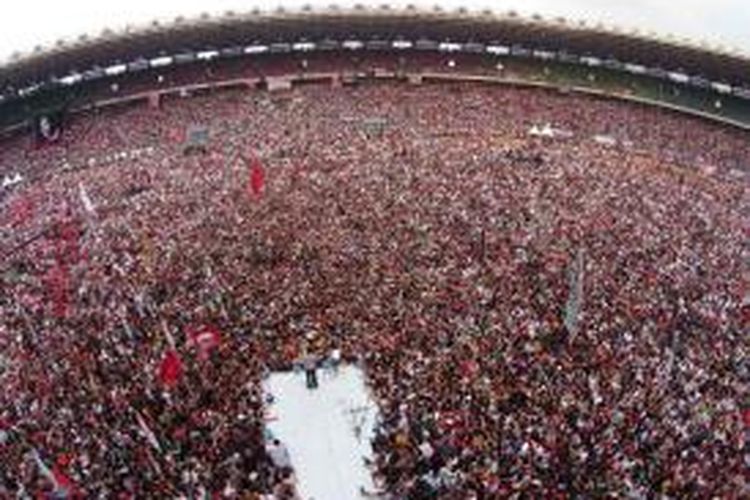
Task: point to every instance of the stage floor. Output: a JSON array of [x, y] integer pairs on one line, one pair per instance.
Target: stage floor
[[327, 431]]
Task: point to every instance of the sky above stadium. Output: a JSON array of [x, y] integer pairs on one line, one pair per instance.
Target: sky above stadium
[[27, 23]]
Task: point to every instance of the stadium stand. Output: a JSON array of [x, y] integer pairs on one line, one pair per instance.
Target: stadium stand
[[546, 288]]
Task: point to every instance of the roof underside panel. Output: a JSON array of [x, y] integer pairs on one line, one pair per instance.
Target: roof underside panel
[[184, 36]]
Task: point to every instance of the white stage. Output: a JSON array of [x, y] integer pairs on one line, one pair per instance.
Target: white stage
[[326, 430]]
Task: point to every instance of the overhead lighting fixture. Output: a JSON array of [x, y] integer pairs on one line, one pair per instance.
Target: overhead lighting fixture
[[353, 44], [449, 47], [498, 50], [722, 88], [256, 49], [207, 55], [159, 62], [402, 44], [71, 79], [591, 61], [116, 69], [303, 46], [678, 77], [636, 69]]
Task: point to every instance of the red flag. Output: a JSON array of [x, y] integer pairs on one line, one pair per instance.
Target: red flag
[[170, 370], [205, 338], [65, 486], [257, 178]]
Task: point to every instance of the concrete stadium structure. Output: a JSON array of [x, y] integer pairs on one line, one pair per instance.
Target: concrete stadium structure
[[409, 44]]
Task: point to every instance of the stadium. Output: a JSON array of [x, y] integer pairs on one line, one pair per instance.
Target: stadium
[[526, 238]]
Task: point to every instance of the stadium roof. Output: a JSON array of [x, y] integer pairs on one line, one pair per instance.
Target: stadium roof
[[280, 25]]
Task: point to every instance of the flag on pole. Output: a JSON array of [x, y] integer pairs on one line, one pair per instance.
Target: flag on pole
[[62, 484], [575, 294], [85, 200], [65, 486], [43, 469], [204, 338], [125, 324], [170, 368], [147, 432], [257, 178], [168, 335]]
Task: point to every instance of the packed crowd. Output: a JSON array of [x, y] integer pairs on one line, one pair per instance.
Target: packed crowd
[[421, 231]]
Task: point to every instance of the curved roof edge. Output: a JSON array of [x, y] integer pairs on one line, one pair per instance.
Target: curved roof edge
[[231, 28]]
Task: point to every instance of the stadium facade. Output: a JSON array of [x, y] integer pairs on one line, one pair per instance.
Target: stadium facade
[[348, 45]]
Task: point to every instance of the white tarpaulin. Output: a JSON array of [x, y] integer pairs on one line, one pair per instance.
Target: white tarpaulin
[[12, 180], [327, 431], [545, 131], [605, 140], [548, 131]]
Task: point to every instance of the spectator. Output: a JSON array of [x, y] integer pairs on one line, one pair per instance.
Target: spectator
[[436, 253]]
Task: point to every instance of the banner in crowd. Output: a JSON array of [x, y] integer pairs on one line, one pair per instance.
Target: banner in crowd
[[48, 128], [575, 294], [257, 180]]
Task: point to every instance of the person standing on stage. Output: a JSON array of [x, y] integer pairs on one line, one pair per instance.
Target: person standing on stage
[[310, 364]]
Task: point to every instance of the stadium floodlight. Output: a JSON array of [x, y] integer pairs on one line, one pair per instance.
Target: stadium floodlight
[[678, 77], [721, 88], [544, 55], [26, 91], [449, 47], [158, 62], [71, 79], [303, 46], [498, 50], [256, 49], [353, 44], [207, 55], [115, 69], [636, 69], [591, 61], [402, 44]]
